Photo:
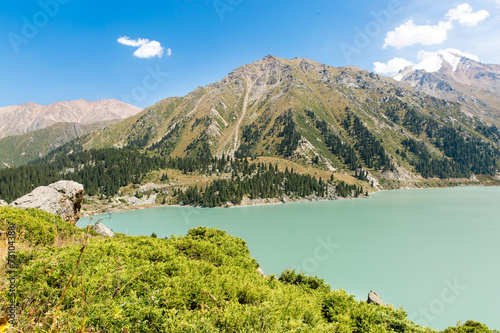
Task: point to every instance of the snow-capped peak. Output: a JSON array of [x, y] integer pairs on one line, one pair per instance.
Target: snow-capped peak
[[430, 64], [433, 61], [398, 76]]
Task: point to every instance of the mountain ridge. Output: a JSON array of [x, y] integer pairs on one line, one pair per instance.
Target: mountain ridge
[[306, 111], [278, 129], [21, 149], [26, 117], [456, 77]]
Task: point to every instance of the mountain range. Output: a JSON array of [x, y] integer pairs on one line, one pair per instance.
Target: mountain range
[[359, 130], [21, 149], [30, 130], [26, 117], [452, 76], [334, 118]]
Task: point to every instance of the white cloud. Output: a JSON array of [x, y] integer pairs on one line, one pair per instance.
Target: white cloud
[[146, 48], [132, 42], [392, 66], [149, 50], [464, 15], [409, 34]]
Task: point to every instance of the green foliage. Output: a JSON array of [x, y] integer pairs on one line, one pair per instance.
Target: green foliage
[[199, 148], [164, 178], [431, 166], [289, 133], [205, 281], [464, 151], [353, 316], [335, 144], [344, 190], [257, 181], [101, 171], [491, 132], [36, 227], [249, 136], [309, 282], [470, 326], [167, 144], [370, 148]]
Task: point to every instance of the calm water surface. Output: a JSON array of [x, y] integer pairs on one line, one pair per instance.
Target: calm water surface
[[436, 252]]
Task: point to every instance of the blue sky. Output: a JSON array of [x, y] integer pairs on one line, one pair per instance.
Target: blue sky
[[53, 50]]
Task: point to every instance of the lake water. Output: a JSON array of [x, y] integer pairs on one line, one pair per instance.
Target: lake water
[[435, 252]]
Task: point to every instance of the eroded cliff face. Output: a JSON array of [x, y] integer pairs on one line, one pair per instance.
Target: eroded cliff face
[[63, 198]]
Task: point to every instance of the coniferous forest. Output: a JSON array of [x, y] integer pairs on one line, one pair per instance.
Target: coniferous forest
[[104, 171], [434, 149], [266, 182]]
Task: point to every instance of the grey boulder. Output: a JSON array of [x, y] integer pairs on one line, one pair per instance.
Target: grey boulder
[[102, 230], [63, 198], [373, 297]]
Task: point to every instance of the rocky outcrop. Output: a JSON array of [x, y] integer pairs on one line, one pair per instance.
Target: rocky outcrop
[[145, 200], [3, 203], [102, 230], [373, 297], [63, 198]]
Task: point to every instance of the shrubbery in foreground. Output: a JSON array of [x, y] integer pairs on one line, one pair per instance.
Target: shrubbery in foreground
[[205, 281]]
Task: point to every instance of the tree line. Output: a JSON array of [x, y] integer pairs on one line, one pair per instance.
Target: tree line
[[464, 153], [266, 182], [100, 171]]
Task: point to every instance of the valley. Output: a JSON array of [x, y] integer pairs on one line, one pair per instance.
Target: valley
[[250, 166], [344, 132]]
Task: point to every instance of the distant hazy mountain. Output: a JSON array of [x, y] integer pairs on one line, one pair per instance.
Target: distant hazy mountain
[[26, 117], [20, 149], [454, 77]]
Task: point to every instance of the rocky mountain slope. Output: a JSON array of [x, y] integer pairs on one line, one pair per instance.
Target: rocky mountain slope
[[454, 77], [26, 117], [335, 118], [20, 149]]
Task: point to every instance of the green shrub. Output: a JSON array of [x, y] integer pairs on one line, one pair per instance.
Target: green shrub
[[470, 326], [36, 227], [301, 279], [205, 281]]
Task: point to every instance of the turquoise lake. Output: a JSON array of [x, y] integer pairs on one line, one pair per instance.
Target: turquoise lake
[[435, 252]]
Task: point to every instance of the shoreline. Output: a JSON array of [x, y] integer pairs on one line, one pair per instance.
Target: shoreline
[[269, 201], [253, 202]]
